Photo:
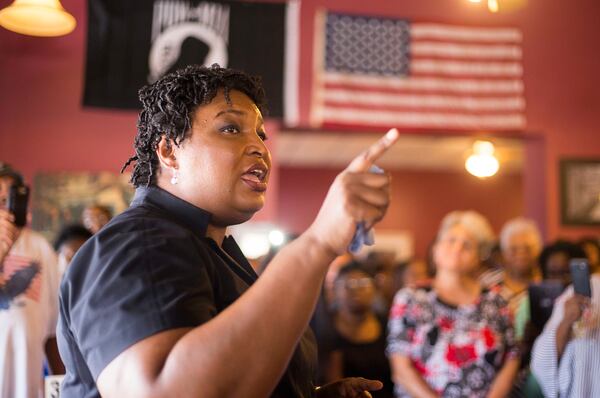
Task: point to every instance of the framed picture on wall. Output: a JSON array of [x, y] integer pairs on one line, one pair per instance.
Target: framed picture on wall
[[59, 198], [580, 191]]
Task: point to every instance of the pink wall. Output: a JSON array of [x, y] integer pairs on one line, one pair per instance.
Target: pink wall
[[44, 128], [419, 199]]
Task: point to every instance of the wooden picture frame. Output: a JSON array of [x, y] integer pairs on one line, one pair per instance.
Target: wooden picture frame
[[580, 191]]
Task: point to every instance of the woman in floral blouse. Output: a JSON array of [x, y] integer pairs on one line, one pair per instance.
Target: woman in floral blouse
[[454, 339]]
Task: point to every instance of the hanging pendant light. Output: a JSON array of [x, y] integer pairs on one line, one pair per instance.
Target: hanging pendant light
[[37, 18]]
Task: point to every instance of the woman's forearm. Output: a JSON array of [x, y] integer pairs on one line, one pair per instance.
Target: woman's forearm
[[504, 380], [563, 335], [333, 366], [405, 374]]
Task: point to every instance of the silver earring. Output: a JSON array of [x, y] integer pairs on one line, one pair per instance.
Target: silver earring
[[175, 177]]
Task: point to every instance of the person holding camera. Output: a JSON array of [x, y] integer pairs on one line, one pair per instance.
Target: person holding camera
[[566, 356], [29, 281]]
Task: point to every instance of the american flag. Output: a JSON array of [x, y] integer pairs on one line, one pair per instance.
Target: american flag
[[20, 275], [383, 72]]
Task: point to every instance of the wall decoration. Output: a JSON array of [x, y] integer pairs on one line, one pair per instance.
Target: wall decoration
[[59, 198], [580, 191]]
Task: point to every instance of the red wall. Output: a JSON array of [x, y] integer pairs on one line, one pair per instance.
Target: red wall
[[44, 128], [419, 199]]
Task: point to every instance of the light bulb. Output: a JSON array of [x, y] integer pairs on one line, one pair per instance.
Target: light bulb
[[483, 147], [482, 162], [276, 237], [482, 166], [493, 5]]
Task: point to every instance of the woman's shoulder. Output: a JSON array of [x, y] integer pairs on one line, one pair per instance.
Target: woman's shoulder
[[493, 296], [415, 295], [145, 223], [493, 306]]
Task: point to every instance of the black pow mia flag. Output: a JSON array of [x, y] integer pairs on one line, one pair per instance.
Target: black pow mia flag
[[135, 42]]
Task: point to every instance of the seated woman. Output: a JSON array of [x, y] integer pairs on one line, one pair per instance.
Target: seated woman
[[161, 303], [454, 339], [359, 342]]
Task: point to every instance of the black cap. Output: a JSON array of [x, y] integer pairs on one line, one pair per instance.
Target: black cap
[[7, 171]]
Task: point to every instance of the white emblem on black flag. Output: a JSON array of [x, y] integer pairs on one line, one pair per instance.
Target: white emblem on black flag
[[183, 34], [135, 42]]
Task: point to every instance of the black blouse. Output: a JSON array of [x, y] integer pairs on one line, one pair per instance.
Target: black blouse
[[151, 269], [367, 360]]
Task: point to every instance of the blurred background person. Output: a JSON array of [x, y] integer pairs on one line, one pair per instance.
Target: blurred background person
[[415, 273], [554, 265], [382, 266], [491, 271], [591, 247], [566, 356], [321, 321], [389, 280], [95, 216], [359, 343], [520, 243], [29, 281], [69, 239], [456, 338]]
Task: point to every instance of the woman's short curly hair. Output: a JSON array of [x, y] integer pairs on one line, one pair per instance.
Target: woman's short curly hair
[[168, 106]]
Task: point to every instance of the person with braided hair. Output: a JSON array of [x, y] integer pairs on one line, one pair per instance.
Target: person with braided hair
[[161, 303]]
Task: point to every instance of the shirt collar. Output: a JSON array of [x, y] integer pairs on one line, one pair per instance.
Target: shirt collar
[[184, 212]]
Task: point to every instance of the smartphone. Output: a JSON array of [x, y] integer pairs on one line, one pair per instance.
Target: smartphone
[[580, 272], [541, 301], [18, 196]]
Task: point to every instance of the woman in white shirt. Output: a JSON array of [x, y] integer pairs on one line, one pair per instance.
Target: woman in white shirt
[[566, 356]]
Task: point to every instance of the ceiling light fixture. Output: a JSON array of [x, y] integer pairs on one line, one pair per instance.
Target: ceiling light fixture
[[482, 163], [492, 5], [37, 18]]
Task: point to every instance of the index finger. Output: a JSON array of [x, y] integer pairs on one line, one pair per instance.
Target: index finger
[[366, 159], [367, 384]]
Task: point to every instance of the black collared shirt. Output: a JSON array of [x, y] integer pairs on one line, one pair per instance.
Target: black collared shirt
[[151, 269]]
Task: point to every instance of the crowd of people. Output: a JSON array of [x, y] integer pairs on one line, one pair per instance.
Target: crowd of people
[[464, 327], [162, 295]]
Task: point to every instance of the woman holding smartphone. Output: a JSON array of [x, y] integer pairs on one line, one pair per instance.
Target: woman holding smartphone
[[566, 356]]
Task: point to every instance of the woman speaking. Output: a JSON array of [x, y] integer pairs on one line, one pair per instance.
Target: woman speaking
[[161, 303]]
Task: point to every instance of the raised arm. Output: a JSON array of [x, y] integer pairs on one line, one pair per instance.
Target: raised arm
[[244, 350]]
